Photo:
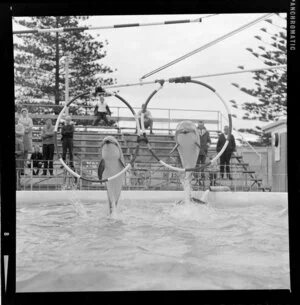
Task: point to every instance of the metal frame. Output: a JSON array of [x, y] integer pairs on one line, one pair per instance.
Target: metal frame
[[76, 175], [187, 80]]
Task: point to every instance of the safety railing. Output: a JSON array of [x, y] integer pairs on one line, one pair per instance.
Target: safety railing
[[165, 119], [142, 176]]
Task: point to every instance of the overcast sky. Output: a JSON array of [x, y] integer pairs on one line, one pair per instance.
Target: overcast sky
[[137, 51]]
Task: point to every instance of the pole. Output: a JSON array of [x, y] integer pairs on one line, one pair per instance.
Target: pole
[[205, 46], [199, 76], [57, 66], [115, 26], [67, 82]]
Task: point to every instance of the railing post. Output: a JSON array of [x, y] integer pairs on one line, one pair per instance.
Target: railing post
[[31, 174], [67, 82], [80, 182], [169, 120]]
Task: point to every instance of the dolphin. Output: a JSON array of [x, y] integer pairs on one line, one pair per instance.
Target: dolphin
[[112, 162], [188, 146], [187, 143]]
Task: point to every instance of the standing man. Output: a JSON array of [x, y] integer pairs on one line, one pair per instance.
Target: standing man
[[225, 157], [148, 120], [100, 111], [205, 142], [48, 147], [67, 132]]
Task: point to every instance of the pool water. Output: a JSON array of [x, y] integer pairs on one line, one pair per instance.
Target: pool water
[[72, 245]]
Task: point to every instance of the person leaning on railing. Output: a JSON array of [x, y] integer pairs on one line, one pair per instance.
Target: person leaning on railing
[[48, 147], [100, 111], [148, 120]]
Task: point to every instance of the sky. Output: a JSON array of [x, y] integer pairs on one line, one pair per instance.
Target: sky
[[137, 51]]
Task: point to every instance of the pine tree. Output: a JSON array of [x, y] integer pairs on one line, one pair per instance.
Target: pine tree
[[270, 85], [39, 69]]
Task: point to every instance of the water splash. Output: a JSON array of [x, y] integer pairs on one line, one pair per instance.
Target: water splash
[[77, 205], [187, 189], [283, 212], [114, 214]]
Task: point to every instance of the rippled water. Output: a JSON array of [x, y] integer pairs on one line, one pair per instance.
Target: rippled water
[[74, 246]]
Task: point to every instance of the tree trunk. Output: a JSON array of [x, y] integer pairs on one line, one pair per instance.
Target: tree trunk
[[57, 66]]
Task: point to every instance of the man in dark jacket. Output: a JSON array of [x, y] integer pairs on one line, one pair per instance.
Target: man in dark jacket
[[225, 157], [205, 142], [67, 132]]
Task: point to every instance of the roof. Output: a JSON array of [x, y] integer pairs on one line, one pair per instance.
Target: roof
[[269, 127]]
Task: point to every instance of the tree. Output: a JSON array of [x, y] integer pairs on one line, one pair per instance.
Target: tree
[[39, 69], [270, 85]]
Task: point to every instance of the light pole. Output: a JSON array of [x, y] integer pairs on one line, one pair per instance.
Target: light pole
[[67, 82]]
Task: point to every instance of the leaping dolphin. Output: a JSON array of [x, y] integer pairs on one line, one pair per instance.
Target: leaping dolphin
[[188, 145], [112, 162]]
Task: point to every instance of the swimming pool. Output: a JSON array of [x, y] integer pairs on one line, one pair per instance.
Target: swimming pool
[[66, 242]]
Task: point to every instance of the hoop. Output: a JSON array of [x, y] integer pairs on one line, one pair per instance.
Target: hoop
[[56, 146], [187, 79]]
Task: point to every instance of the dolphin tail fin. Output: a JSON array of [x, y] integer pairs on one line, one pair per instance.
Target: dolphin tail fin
[[174, 148], [101, 168], [204, 197]]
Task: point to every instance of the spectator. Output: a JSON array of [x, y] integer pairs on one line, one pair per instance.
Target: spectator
[[26, 121], [101, 110], [225, 157], [48, 147], [205, 142], [67, 132], [148, 120], [36, 159], [19, 150]]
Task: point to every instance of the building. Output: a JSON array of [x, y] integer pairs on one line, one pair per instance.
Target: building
[[278, 165]]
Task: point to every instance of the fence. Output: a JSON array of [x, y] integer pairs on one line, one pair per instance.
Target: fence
[[155, 177], [165, 119]]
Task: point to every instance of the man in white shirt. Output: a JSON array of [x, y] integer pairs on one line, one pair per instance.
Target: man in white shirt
[[100, 111], [148, 121]]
